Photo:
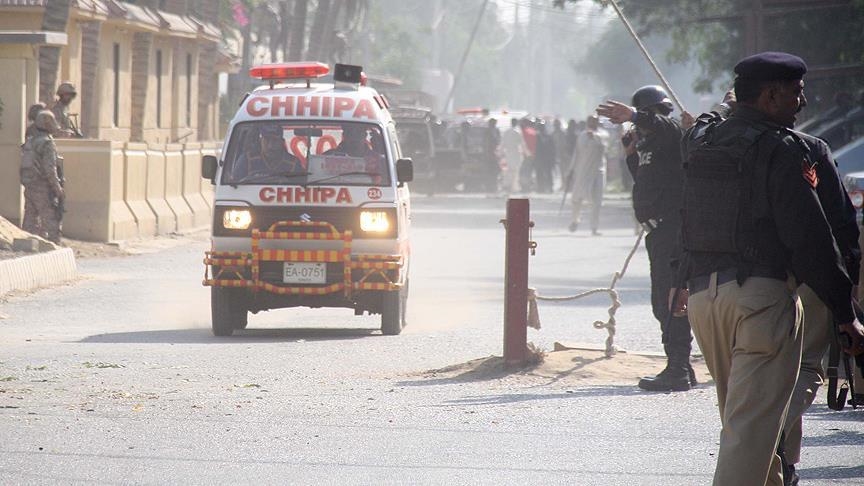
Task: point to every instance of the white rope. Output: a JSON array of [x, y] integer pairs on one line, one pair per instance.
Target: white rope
[[609, 325]]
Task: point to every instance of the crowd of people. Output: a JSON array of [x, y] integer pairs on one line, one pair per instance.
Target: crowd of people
[[546, 156]]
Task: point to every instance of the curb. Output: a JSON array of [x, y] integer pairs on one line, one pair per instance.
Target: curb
[[39, 270]]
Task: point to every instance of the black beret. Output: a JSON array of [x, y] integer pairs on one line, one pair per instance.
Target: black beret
[[771, 66]]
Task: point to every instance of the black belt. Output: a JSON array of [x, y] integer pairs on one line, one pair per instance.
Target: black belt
[[702, 282]]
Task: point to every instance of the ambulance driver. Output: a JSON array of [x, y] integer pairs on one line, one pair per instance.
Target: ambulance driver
[[265, 154]]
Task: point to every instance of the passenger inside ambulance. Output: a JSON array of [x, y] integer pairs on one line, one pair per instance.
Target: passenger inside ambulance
[[354, 143]]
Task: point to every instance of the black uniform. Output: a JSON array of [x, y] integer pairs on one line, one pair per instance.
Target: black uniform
[[658, 179], [790, 227], [838, 209]]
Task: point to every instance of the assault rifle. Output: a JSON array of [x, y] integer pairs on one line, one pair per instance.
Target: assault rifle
[[60, 202], [73, 123], [837, 398]]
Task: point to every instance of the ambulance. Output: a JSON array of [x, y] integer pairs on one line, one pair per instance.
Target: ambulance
[[312, 206]]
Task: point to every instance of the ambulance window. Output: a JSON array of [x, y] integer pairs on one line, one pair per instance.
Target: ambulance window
[[321, 153]]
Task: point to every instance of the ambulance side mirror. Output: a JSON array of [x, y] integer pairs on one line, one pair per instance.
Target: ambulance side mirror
[[208, 168], [404, 170]]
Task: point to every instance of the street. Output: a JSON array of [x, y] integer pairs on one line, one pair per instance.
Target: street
[[117, 377]]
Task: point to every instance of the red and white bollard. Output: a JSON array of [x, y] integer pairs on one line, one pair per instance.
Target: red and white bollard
[[518, 246]]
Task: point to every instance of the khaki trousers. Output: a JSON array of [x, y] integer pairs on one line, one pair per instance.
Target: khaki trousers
[[817, 331], [750, 337]]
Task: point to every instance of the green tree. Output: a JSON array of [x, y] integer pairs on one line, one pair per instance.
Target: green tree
[[714, 33]]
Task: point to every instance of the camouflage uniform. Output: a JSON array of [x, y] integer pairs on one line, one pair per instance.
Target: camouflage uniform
[[42, 187], [65, 127], [64, 124], [31, 117]]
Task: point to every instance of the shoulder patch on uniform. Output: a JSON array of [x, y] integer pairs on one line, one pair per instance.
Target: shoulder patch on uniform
[[808, 170]]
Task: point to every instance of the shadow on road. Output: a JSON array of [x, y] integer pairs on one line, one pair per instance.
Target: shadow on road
[[504, 399], [204, 336], [832, 472]]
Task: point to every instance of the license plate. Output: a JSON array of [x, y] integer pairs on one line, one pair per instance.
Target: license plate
[[304, 273]]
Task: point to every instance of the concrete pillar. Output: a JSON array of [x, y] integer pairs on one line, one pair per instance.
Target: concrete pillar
[[174, 187], [166, 222], [95, 210], [135, 188], [208, 97], [19, 86], [141, 46], [192, 185], [88, 122]]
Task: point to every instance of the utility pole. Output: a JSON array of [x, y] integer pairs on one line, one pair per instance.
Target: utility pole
[[753, 22], [532, 50], [465, 54]]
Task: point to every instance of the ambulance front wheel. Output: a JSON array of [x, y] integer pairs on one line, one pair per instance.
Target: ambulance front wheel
[[392, 313], [228, 310]]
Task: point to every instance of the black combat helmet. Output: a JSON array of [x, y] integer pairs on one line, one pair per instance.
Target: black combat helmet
[[651, 95]]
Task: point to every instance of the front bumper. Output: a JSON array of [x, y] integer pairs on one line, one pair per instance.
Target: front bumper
[[354, 273]]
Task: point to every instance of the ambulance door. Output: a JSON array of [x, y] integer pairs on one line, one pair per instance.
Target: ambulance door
[[403, 196]]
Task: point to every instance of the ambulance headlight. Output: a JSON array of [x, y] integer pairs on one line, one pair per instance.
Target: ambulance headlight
[[374, 221], [238, 219]]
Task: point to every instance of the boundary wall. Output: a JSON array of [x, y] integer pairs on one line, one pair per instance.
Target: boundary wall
[[120, 191]]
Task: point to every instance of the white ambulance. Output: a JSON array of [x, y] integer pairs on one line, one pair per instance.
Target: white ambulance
[[311, 202]]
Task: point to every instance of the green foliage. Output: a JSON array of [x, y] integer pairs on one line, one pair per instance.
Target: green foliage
[[393, 49], [712, 32]]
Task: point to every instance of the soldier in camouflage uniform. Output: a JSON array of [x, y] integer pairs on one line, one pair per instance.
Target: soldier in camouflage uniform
[[43, 193], [66, 127], [31, 119]]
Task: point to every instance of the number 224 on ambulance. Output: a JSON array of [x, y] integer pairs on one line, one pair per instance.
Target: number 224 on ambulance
[[312, 206]]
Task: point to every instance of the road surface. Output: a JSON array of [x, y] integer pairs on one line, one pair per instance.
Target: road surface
[[117, 378]]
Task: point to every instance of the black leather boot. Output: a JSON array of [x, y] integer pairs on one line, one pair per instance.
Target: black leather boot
[[675, 378], [691, 373]]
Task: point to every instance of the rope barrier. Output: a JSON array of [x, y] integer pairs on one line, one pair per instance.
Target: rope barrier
[[609, 325]]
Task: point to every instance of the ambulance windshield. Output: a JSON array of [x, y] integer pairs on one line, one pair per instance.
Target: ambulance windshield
[[302, 153]]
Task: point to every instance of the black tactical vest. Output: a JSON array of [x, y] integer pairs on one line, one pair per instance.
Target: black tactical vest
[[722, 204]]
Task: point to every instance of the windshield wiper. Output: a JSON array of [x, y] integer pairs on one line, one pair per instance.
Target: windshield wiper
[[352, 173], [265, 176]]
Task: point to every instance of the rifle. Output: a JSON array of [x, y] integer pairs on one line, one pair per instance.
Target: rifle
[[73, 122], [60, 202], [837, 398]]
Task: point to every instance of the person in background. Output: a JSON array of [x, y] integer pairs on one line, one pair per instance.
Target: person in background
[[66, 126], [511, 145], [491, 159], [544, 157], [529, 150], [654, 160], [587, 174], [43, 189]]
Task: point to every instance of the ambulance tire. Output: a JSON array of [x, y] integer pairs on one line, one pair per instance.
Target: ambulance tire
[[391, 313], [228, 312]]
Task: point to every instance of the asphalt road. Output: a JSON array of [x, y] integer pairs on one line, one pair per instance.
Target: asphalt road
[[117, 378]]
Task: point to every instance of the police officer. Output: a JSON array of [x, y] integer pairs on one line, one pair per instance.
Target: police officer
[[43, 193], [752, 218], [818, 320], [656, 168], [66, 126]]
